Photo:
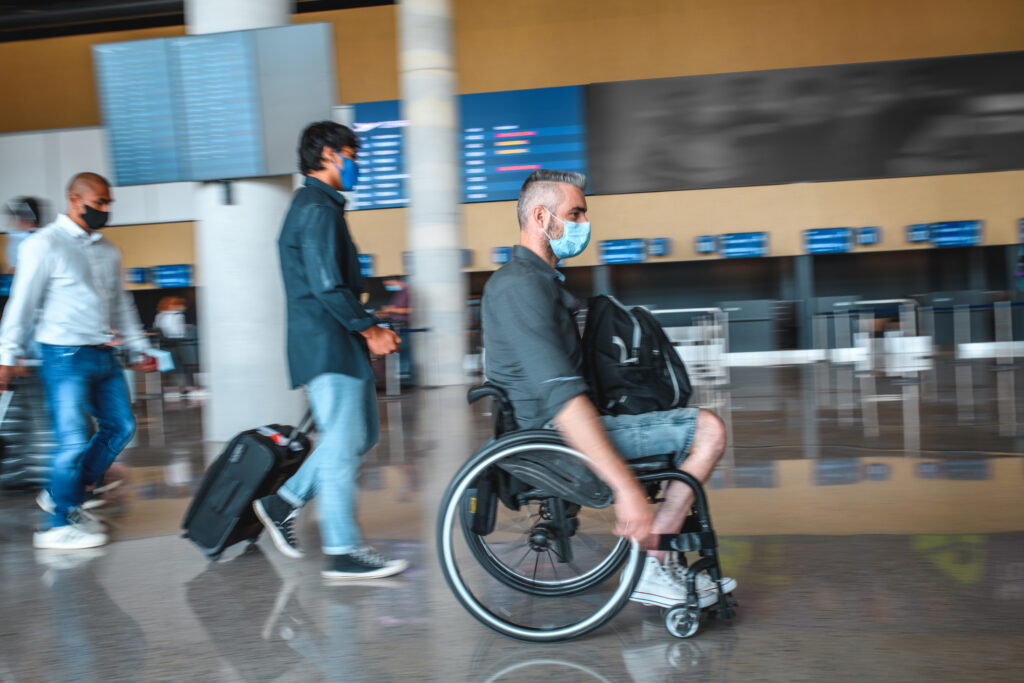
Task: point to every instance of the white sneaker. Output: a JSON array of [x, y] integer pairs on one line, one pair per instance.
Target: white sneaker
[[68, 537], [703, 582], [659, 585], [77, 515]]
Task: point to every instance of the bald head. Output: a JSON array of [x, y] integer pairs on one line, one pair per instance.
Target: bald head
[[89, 200], [83, 182]]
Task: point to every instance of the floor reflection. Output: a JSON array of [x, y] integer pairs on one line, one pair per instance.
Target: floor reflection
[[873, 521]]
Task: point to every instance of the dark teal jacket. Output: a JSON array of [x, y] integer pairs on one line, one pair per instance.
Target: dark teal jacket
[[323, 283]]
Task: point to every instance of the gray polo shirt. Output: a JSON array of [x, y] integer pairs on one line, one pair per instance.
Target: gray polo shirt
[[531, 342]]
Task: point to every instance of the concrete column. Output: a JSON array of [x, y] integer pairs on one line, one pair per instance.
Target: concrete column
[[240, 295], [434, 218], [803, 267]]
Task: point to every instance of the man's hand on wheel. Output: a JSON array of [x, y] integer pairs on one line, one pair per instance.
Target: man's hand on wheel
[[381, 340], [9, 372], [633, 513]]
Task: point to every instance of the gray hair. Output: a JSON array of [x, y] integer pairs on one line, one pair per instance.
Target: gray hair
[[542, 189]]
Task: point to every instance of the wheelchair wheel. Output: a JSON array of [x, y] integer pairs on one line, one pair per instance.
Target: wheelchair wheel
[[552, 570]]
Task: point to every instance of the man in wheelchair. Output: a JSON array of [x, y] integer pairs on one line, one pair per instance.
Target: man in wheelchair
[[533, 352]]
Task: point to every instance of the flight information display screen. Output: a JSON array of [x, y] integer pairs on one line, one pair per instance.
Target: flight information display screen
[[382, 176], [508, 135], [220, 108], [135, 93], [213, 106], [505, 137]]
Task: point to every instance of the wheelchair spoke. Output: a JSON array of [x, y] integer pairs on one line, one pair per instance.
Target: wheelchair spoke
[[525, 555]]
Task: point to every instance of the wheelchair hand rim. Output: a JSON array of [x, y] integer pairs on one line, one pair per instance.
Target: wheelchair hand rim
[[449, 566]]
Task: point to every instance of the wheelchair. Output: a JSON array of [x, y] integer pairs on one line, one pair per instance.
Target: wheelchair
[[526, 537]]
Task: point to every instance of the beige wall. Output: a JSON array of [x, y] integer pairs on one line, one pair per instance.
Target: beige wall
[[785, 211], [537, 43]]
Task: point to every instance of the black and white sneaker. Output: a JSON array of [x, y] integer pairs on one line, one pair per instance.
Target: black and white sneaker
[[279, 519], [365, 563]]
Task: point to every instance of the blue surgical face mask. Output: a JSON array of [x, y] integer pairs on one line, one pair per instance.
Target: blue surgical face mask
[[575, 238], [349, 172]]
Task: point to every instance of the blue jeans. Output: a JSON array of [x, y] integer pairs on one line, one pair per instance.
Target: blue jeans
[[345, 410], [81, 381], [657, 433]]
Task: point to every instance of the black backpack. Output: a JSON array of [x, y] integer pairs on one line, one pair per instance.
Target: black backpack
[[629, 363]]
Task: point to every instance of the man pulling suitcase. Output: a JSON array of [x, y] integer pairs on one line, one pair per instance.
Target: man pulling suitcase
[[329, 334]]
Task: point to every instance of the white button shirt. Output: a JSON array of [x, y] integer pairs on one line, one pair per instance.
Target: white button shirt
[[68, 282]]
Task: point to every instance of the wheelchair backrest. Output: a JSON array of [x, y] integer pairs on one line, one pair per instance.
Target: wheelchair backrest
[[501, 409]]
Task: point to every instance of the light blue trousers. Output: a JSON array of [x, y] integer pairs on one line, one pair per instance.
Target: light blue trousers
[[345, 410]]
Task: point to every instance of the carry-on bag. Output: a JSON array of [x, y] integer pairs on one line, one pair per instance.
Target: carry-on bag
[[255, 464]]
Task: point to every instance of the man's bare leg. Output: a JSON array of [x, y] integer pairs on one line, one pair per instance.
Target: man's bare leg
[[705, 451]]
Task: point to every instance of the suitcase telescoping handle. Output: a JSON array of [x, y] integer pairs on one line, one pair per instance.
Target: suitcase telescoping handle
[[5, 403], [304, 425]]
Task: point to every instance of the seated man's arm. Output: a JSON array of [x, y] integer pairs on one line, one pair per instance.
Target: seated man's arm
[[580, 423], [525, 321]]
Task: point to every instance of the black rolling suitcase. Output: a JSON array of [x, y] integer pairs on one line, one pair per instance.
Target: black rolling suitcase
[[254, 464]]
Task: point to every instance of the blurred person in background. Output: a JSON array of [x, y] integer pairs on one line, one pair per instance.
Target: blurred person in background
[[69, 280], [26, 216], [174, 334], [329, 337], [399, 311]]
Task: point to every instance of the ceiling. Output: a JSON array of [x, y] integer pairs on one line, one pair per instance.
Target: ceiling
[[31, 19]]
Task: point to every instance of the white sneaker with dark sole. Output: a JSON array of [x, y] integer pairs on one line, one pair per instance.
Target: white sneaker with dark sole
[[278, 518], [67, 537], [365, 563], [660, 585]]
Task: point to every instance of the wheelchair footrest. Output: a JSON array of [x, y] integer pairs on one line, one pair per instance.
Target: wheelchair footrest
[[688, 542]]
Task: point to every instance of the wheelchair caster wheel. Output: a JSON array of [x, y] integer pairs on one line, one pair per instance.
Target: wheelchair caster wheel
[[682, 622]]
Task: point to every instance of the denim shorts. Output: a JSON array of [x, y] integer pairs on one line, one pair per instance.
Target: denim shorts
[[657, 433]]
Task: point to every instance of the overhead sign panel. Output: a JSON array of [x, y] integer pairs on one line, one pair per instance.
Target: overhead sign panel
[[743, 244], [828, 240], [508, 135], [622, 251]]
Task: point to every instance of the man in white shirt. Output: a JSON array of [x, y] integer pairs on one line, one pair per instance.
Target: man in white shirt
[[67, 294]]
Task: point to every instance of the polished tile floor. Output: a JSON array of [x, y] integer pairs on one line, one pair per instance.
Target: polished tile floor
[[875, 526]]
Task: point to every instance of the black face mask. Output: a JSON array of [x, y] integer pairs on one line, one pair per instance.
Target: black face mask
[[95, 218]]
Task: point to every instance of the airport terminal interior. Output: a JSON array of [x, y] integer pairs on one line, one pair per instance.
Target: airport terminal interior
[[820, 203]]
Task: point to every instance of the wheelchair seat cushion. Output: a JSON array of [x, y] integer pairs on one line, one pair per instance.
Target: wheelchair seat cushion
[[558, 475], [652, 463]]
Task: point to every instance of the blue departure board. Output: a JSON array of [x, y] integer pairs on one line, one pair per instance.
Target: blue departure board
[[659, 246], [366, 265], [179, 275], [955, 234], [828, 240], [508, 135], [743, 244], [136, 276], [137, 102], [622, 251], [215, 106], [869, 235], [501, 255], [918, 232], [382, 175], [220, 118], [705, 244]]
